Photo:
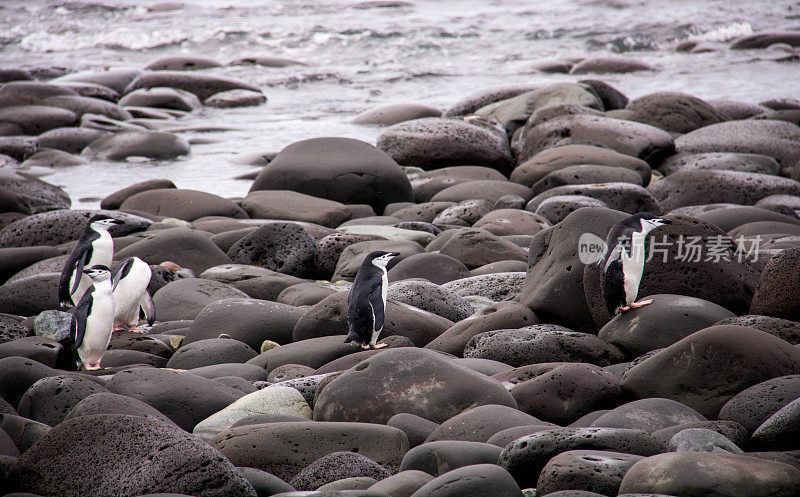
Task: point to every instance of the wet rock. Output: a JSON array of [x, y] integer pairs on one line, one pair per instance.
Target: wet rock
[[525, 457], [202, 85], [70, 140], [116, 79], [188, 400], [668, 319], [763, 39], [181, 63], [284, 449], [115, 200], [329, 317], [184, 299], [478, 479], [164, 98], [702, 440], [150, 457], [336, 466], [776, 287], [706, 369], [603, 65], [91, 90], [293, 206], [36, 119], [50, 399], [182, 204], [188, 248], [443, 393], [476, 247], [88, 105], [151, 144], [598, 471], [283, 247], [696, 187], [439, 457], [724, 161], [673, 111], [440, 142], [611, 97], [625, 197], [530, 346], [235, 98], [754, 405], [432, 298], [498, 316], [34, 195], [340, 169], [210, 351], [642, 141], [388, 115], [475, 101], [693, 473], [776, 139], [479, 424], [246, 320], [567, 392]]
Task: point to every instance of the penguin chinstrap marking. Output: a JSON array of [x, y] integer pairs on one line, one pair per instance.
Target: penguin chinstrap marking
[[130, 294], [623, 264], [93, 320], [366, 304], [95, 247]]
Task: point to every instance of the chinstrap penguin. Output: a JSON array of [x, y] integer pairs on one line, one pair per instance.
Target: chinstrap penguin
[[623, 264], [130, 294], [94, 247], [93, 320], [366, 304]]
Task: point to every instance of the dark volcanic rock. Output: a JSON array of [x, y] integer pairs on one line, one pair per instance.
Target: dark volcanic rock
[[612, 98], [283, 247], [202, 85], [610, 65], [650, 415], [417, 381], [763, 39], [60, 226], [476, 247], [621, 196], [294, 206], [115, 200], [50, 399], [525, 457], [38, 348], [590, 470], [184, 299], [285, 448], [416, 428], [182, 204], [340, 169], [112, 403], [36, 119], [36, 195], [437, 458], [746, 163], [113, 455], [188, 248], [776, 294], [754, 405], [403, 484], [776, 139], [434, 267], [432, 143], [482, 98], [707, 368], [479, 479], [336, 466], [185, 398], [210, 351], [673, 111], [31, 295], [480, 423], [702, 473], [163, 98]]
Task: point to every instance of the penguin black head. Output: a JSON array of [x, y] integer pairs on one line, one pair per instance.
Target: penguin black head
[[649, 222], [101, 221], [380, 258]]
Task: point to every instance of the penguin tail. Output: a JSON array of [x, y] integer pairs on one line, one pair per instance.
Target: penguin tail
[[351, 337], [68, 359]]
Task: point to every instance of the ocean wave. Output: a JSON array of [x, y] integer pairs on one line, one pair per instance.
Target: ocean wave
[[724, 32]]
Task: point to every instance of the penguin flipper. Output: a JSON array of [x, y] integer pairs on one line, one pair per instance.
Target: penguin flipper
[[148, 308], [73, 269], [121, 272], [78, 324]]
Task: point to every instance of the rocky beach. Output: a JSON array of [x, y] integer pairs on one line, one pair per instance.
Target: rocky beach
[[254, 156]]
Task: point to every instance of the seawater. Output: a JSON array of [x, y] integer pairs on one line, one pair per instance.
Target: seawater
[[362, 54]]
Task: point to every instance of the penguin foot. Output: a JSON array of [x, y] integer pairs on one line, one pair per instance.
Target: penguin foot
[[365, 347], [623, 308], [92, 366], [378, 346], [641, 303]]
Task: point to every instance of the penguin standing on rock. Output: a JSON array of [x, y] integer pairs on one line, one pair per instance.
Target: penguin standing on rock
[[130, 294], [366, 304], [623, 263], [93, 321], [94, 247]]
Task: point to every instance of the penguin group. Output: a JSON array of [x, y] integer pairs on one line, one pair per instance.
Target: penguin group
[[103, 301], [366, 303], [623, 263]]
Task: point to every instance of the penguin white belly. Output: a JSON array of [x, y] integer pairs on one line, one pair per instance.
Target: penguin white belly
[[99, 325], [632, 269], [384, 290]]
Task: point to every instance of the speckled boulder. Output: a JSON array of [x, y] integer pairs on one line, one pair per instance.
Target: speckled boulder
[[673, 111], [432, 387], [186, 247], [465, 212], [353, 255], [776, 292], [491, 190], [115, 200], [754, 405], [556, 209], [283, 247], [726, 161], [331, 247], [525, 457], [431, 143], [650, 415], [184, 299], [50, 399], [642, 141], [112, 403], [780, 431], [503, 222], [696, 187], [622, 196], [481, 98], [702, 473], [77, 457], [182, 204], [707, 368], [432, 298], [151, 144], [210, 351], [480, 423], [285, 448], [478, 479], [538, 166], [776, 139], [598, 471], [246, 320], [60, 226], [30, 295], [294, 206], [202, 85], [702, 440], [336, 466], [586, 174], [340, 169], [34, 194]]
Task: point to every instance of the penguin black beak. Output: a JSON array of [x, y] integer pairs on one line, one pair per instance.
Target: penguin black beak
[[666, 221], [117, 221]]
